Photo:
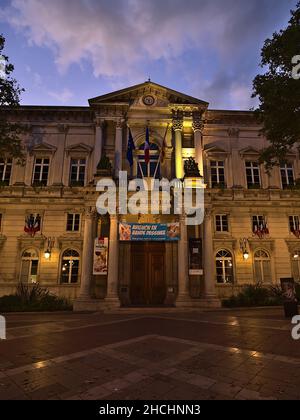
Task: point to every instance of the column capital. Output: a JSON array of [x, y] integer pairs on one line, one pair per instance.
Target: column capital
[[233, 132], [99, 122], [120, 123], [177, 120], [208, 213], [198, 123], [63, 128], [90, 213], [114, 217]]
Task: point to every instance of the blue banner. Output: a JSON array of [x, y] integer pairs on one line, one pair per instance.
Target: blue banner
[[149, 232]]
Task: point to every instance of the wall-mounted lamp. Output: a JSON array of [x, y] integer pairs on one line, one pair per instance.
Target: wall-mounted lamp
[[296, 255], [50, 245], [244, 248]]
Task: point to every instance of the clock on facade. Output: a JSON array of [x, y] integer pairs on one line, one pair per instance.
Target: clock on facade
[[148, 100]]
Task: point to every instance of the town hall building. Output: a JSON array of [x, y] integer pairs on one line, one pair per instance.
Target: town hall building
[[52, 234]]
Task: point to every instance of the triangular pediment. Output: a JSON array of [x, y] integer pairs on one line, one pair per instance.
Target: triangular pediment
[[79, 148], [215, 150], [44, 147], [130, 95], [249, 151]]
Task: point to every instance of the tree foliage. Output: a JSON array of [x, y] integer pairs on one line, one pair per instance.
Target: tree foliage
[[279, 92], [10, 91]]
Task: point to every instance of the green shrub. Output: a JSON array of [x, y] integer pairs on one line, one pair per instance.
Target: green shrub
[[33, 298], [255, 295]]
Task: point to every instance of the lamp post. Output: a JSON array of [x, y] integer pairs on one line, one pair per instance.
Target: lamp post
[[244, 248], [50, 245]]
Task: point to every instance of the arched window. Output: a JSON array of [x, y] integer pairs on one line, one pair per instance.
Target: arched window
[[296, 265], [70, 267], [29, 266], [224, 267], [145, 170], [262, 267]]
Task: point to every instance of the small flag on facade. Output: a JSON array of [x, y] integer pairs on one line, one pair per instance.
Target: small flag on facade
[[147, 146], [130, 149]]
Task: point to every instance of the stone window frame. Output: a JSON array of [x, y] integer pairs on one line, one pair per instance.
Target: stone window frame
[[39, 253], [222, 233], [289, 162], [63, 250], [11, 169], [78, 151], [42, 151], [216, 154], [270, 260], [73, 211], [225, 249], [41, 156]]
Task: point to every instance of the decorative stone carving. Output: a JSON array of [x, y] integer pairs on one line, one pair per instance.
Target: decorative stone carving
[[233, 132], [198, 123], [120, 123], [177, 120], [227, 243], [65, 242], [254, 243], [293, 245], [26, 241], [63, 128], [90, 212]]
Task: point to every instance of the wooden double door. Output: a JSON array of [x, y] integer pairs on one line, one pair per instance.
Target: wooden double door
[[148, 284]]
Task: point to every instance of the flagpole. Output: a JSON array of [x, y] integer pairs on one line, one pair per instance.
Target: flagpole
[[159, 159]]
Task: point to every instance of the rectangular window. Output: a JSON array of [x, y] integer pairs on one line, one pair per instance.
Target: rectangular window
[[217, 172], [73, 222], [5, 171], [41, 171], [287, 176], [77, 173], [294, 224], [260, 225], [253, 175], [222, 223]]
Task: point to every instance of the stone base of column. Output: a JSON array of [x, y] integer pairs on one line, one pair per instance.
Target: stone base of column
[[87, 304], [112, 302]]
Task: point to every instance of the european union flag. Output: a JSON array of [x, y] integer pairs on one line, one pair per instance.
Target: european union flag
[[130, 149]]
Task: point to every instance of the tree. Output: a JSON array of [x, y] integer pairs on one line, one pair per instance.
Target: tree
[[10, 91], [279, 93]]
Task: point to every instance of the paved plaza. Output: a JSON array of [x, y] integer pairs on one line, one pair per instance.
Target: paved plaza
[[153, 354]]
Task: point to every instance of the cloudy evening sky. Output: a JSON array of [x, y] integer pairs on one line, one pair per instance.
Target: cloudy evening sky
[[66, 51]]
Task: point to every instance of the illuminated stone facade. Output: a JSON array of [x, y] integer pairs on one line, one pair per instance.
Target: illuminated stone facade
[[248, 213]]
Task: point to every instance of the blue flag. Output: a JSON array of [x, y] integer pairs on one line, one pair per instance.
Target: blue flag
[[130, 149]]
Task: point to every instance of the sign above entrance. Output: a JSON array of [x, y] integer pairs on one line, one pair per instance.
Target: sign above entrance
[[149, 232]]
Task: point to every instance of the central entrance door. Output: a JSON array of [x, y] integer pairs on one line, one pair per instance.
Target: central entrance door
[[148, 285]]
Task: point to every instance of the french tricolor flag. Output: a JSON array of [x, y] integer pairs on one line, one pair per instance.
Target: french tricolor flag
[[147, 146]]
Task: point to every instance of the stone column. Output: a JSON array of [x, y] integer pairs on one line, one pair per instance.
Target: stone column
[[59, 157], [183, 298], [118, 147], [112, 298], [198, 130], [87, 255], [178, 127], [98, 144], [209, 262]]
